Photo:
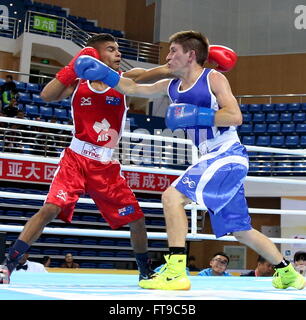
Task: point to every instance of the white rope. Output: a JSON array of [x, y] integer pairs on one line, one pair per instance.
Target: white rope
[[14, 195], [126, 234], [127, 134], [172, 172]]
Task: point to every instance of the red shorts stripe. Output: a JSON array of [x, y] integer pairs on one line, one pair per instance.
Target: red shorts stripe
[[78, 175]]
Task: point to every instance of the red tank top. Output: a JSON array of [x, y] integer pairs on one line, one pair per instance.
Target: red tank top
[[98, 116]]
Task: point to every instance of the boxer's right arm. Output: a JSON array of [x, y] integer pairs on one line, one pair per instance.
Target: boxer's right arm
[[148, 75], [55, 91]]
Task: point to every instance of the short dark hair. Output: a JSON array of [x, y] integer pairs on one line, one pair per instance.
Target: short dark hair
[[261, 259], [101, 37], [192, 40], [299, 255], [8, 76], [221, 253]]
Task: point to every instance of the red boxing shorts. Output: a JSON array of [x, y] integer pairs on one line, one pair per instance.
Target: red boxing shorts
[[77, 175]]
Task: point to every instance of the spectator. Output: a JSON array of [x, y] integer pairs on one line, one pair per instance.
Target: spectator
[[299, 260], [44, 143], [8, 91], [218, 265], [69, 262], [264, 269], [191, 264], [25, 265], [46, 261], [11, 109]]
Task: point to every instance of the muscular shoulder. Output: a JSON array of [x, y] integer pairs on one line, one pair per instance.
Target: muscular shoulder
[[217, 80]]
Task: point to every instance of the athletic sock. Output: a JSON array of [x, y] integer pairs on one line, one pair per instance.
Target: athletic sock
[[284, 263], [177, 250], [17, 250], [143, 263]]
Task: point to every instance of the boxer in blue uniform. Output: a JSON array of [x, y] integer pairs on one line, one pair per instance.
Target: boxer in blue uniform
[[204, 106]]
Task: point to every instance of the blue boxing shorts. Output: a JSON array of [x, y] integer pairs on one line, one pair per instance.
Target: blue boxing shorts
[[216, 181]]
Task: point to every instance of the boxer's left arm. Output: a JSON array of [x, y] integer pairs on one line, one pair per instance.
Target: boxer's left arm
[[229, 113]]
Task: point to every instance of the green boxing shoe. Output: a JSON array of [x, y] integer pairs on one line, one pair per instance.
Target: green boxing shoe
[[286, 277]]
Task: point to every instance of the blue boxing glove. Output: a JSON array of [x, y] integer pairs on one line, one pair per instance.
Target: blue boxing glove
[[87, 67], [184, 116]]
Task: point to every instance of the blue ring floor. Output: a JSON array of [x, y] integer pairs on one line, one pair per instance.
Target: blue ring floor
[[75, 286]]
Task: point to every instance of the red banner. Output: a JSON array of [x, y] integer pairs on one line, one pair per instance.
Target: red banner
[[39, 172]]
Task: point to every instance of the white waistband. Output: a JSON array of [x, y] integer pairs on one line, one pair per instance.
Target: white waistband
[[227, 137], [91, 151]]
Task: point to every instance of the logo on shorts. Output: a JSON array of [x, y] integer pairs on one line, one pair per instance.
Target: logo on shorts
[[62, 195], [126, 210], [91, 151], [191, 184]]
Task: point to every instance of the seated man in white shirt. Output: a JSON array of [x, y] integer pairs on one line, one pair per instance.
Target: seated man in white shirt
[[29, 266]]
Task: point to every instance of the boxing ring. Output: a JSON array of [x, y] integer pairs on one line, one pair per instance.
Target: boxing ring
[[113, 286]]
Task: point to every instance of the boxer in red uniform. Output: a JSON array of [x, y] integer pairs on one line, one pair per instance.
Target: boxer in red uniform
[[86, 166]]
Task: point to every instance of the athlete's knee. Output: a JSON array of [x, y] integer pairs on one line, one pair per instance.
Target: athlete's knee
[[171, 197], [137, 225], [48, 212], [242, 236]]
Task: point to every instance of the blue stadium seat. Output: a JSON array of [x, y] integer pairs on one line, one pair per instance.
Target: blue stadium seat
[[46, 112], [303, 141], [299, 117], [254, 107], [14, 213], [24, 97], [244, 107], [285, 117], [294, 107], [72, 251], [88, 265], [299, 166], [89, 241], [292, 141], [246, 128], [277, 141], [301, 128], [106, 265], [267, 107], [274, 128], [283, 166], [38, 100], [263, 141], [123, 254], [66, 103], [288, 128], [50, 252], [259, 117], [71, 240], [20, 86], [272, 117], [107, 242], [53, 240], [60, 114], [280, 107], [33, 87], [303, 107], [88, 253], [106, 254], [248, 140], [31, 111], [260, 128], [247, 117]]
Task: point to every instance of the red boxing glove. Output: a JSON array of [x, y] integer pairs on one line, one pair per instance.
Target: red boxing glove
[[224, 57], [67, 74]]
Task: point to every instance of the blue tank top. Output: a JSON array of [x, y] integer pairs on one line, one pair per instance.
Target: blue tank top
[[200, 95]]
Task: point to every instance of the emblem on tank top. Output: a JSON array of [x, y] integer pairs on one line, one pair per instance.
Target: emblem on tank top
[[86, 101], [102, 129], [62, 195]]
